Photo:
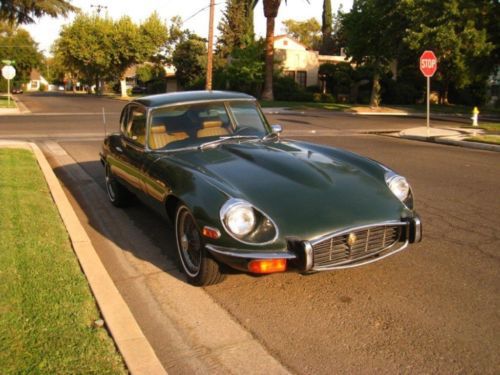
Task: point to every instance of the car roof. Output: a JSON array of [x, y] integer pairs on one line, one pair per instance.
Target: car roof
[[190, 96]]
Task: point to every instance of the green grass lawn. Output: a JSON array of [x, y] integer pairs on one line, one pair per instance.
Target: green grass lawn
[[417, 108], [493, 139], [46, 307], [4, 102], [304, 105]]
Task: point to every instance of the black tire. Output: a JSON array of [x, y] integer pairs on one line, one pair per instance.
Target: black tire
[[200, 268], [118, 195]]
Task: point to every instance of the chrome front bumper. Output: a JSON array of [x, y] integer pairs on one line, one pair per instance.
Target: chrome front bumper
[[305, 255]]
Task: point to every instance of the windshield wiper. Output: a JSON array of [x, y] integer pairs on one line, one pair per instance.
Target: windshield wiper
[[222, 140]]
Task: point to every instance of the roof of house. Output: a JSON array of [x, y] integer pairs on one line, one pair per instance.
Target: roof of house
[[284, 36]]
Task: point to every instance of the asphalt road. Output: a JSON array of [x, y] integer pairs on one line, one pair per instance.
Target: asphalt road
[[434, 308]]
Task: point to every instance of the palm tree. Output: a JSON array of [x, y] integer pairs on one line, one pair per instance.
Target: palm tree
[[271, 8]]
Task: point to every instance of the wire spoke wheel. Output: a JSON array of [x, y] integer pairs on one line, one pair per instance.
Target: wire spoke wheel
[[200, 268], [189, 242], [109, 186], [118, 195]]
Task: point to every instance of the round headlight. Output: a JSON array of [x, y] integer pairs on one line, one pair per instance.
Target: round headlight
[[240, 218], [399, 186]]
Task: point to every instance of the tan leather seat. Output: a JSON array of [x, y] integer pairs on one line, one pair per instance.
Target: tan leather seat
[[211, 129], [159, 137]]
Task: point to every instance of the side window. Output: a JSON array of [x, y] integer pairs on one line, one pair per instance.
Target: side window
[[123, 120], [135, 124]]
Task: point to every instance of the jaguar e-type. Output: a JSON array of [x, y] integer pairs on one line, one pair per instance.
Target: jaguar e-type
[[239, 194]]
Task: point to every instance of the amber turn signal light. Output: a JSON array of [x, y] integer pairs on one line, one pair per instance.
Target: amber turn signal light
[[211, 233], [267, 265]]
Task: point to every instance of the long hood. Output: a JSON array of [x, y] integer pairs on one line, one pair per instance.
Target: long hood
[[306, 190]]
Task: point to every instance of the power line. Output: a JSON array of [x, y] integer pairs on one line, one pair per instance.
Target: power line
[[199, 11]]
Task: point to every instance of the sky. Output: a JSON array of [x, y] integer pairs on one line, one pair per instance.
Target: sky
[[46, 30]]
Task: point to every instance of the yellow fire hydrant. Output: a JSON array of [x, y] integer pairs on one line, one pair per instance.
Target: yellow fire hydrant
[[475, 115]]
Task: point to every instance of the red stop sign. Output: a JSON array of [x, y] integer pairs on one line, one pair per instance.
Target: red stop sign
[[428, 63]]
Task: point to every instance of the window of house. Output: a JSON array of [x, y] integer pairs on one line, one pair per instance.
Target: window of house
[[302, 78], [290, 73]]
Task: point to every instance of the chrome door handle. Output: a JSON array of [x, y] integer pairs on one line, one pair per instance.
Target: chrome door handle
[[119, 149]]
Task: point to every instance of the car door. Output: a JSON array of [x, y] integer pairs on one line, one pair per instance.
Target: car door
[[129, 161]]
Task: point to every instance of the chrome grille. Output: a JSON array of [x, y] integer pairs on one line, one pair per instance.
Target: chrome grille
[[339, 250]]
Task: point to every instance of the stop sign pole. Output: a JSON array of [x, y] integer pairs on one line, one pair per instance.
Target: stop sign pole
[[428, 66]]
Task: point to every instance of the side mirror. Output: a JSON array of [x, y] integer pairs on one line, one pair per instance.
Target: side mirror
[[277, 129]]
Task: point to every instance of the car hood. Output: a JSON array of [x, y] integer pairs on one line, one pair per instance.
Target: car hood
[[306, 190]]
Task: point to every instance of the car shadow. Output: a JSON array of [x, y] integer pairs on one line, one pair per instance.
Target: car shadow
[[137, 229]]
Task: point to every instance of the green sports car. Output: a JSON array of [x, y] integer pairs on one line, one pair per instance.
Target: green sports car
[[240, 195]]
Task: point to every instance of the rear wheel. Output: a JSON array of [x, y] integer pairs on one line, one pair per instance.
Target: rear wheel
[[118, 195], [200, 268]]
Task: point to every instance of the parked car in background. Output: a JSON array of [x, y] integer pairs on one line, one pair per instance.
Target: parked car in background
[[239, 194], [17, 90], [138, 90]]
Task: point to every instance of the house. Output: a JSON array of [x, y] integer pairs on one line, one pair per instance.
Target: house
[[36, 81], [300, 63]]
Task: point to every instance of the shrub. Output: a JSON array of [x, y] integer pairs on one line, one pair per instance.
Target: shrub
[[323, 98], [396, 92], [285, 88]]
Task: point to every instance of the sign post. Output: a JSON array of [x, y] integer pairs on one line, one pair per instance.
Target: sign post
[[8, 72], [428, 66]]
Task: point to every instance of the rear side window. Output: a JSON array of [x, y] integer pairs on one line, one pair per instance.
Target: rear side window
[[134, 124]]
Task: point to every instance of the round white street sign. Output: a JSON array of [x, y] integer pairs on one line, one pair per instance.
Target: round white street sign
[[8, 72]]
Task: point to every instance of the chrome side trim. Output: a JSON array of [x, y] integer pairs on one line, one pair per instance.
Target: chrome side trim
[[309, 255], [353, 229], [253, 255], [357, 264]]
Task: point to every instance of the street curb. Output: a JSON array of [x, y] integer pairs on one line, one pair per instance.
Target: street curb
[[128, 336], [452, 142]]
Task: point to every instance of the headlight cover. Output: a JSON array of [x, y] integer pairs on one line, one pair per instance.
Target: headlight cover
[[400, 188], [245, 223], [240, 218]]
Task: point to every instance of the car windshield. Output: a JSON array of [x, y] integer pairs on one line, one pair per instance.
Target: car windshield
[[194, 125]]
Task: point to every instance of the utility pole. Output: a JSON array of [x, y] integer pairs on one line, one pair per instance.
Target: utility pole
[[208, 85], [98, 8]]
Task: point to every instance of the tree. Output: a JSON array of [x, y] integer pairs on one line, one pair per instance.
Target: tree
[[271, 8], [245, 72], [23, 11], [327, 43], [306, 32], [461, 33], [373, 31], [132, 44], [236, 26], [18, 46], [189, 59], [85, 48], [98, 48]]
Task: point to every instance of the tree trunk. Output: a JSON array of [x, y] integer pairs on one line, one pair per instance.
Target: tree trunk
[[267, 92], [123, 87], [375, 96], [97, 81]]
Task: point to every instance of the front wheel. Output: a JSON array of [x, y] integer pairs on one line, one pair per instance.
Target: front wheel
[[199, 267]]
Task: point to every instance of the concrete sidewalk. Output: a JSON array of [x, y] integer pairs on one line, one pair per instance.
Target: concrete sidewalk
[[136, 350], [447, 135]]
